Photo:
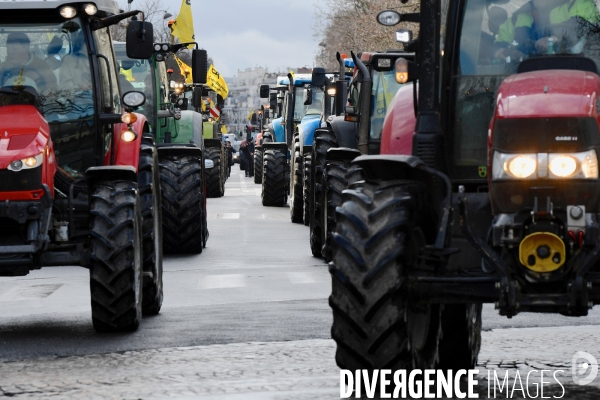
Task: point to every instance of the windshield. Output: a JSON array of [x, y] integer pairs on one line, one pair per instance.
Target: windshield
[[136, 75], [495, 38], [49, 61], [384, 89], [316, 108]]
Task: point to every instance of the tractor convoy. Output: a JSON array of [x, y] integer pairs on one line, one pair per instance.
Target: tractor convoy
[[460, 170]]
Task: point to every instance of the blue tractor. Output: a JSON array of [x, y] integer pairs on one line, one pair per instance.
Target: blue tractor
[[284, 159]]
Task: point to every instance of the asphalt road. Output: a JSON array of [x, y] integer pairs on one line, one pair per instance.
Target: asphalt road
[[255, 282]]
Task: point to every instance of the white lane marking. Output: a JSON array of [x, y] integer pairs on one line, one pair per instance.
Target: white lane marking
[[274, 216], [221, 281], [32, 292], [228, 216], [300, 277]]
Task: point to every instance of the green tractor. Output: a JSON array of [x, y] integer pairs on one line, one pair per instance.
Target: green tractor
[[214, 150], [178, 134]]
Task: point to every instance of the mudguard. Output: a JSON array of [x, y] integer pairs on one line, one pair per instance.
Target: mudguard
[[110, 173], [278, 146], [342, 154], [306, 131], [170, 150], [213, 143], [128, 153], [392, 167], [345, 132]]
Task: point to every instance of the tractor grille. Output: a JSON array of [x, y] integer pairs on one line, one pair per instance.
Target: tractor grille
[[26, 179]]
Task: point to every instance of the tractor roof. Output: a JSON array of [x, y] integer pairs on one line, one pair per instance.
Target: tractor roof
[[108, 6], [299, 79]]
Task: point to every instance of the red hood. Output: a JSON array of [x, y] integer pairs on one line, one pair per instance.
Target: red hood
[[550, 93], [23, 133]]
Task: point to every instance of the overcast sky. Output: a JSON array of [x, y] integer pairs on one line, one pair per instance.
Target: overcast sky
[[240, 34]]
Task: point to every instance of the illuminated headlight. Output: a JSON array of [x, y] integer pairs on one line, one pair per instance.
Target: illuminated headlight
[[128, 136], [90, 9], [582, 165], [26, 163], [331, 91], [519, 166], [68, 12], [574, 165]]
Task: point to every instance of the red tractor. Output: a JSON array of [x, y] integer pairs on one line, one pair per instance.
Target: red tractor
[[491, 198], [79, 173]]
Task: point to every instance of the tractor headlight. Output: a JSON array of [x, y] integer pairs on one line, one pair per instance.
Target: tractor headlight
[[582, 165], [519, 166], [68, 12], [26, 163]]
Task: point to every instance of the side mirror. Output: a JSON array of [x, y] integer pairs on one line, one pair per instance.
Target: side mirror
[[308, 96], [197, 97], [318, 77], [199, 66], [140, 39], [273, 101], [264, 91], [404, 35]]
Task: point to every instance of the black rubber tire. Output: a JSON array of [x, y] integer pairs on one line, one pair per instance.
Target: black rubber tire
[[307, 188], [338, 175], [150, 201], [324, 140], [258, 165], [460, 345], [380, 229], [115, 259], [214, 176], [182, 204], [274, 182], [296, 185]]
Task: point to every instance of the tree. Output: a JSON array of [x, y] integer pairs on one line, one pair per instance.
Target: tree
[[154, 12], [351, 25]]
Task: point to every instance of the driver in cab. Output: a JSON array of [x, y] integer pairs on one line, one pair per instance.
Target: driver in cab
[[22, 67]]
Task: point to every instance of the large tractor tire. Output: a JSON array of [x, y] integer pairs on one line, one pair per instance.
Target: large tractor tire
[[152, 258], [379, 233], [183, 212], [338, 175], [274, 183], [460, 345], [258, 165], [214, 176], [324, 140], [296, 186], [307, 188], [115, 260]]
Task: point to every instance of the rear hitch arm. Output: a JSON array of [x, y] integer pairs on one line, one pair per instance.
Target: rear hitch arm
[[509, 289]]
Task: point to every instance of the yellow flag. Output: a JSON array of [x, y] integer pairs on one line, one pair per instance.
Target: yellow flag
[[292, 73], [223, 129], [203, 105], [183, 27], [250, 115], [186, 71], [216, 82]]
